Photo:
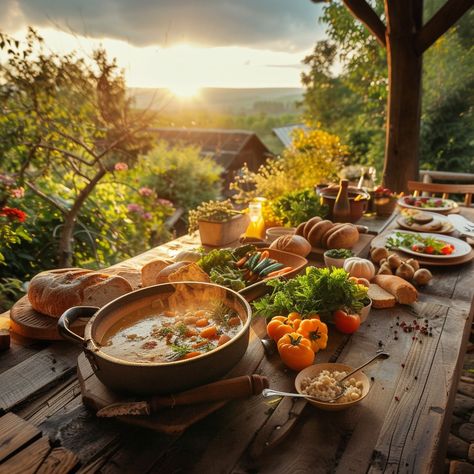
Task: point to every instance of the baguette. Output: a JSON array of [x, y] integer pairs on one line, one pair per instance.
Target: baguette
[[53, 292], [404, 292], [380, 298]]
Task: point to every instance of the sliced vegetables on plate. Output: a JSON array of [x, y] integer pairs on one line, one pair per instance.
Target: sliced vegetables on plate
[[431, 245]]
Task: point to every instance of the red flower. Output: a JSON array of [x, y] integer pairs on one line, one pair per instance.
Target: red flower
[[13, 213]]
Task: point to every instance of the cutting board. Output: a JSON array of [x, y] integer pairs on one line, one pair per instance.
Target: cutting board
[[172, 421], [360, 249], [27, 322]]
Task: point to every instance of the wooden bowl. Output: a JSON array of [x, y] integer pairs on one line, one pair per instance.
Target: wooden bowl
[[316, 369], [288, 259]]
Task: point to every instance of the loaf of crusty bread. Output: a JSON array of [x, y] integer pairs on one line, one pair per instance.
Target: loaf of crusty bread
[[344, 237], [404, 292], [380, 298], [132, 275], [53, 292], [292, 243], [150, 271]]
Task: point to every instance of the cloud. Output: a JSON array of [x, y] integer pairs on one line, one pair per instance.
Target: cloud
[[284, 25]]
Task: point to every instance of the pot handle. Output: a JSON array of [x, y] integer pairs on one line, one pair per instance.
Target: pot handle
[[69, 316]]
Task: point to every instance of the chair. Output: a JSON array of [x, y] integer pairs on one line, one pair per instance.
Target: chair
[[445, 189]]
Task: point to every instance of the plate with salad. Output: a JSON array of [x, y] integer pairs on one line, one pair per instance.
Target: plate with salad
[[425, 203], [428, 245]]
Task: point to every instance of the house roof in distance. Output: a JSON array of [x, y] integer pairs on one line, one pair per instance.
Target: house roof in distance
[[284, 134], [222, 144]]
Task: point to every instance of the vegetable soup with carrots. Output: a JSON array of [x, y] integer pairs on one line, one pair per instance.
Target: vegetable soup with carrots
[[169, 335]]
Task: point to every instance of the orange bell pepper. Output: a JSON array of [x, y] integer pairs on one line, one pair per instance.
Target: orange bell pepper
[[278, 327], [316, 331], [295, 351]]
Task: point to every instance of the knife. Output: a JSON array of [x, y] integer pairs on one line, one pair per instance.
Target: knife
[[228, 389]]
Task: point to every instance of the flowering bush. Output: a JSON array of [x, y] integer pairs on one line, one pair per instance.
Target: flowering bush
[[11, 218], [314, 157]]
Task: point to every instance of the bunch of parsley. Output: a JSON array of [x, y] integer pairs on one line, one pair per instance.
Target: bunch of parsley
[[319, 290]]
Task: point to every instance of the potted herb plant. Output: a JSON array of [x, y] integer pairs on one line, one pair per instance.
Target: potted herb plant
[[218, 223]]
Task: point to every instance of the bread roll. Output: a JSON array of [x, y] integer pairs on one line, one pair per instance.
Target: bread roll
[[343, 238], [53, 292], [293, 244], [404, 292], [328, 233], [309, 225], [317, 232], [300, 229]]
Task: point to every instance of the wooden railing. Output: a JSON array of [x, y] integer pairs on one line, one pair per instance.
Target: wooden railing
[[428, 176]]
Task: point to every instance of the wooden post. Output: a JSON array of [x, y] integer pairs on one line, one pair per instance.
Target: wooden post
[[404, 100]]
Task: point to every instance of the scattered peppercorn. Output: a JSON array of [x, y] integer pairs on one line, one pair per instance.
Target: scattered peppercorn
[[403, 365], [397, 399]]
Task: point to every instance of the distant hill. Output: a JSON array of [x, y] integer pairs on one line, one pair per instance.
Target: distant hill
[[271, 101]]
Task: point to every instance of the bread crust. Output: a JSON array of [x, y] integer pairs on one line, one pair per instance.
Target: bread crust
[[404, 292], [317, 231], [309, 225], [343, 238], [151, 270], [53, 292], [328, 233]]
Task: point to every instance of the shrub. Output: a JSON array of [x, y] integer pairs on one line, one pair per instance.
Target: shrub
[[181, 175], [315, 156]]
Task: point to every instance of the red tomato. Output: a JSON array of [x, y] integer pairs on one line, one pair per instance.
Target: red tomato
[[429, 249], [346, 323]]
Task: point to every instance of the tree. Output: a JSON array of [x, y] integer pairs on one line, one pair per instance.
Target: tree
[[405, 38], [64, 115]]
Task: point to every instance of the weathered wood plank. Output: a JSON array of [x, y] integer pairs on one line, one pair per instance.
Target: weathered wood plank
[[78, 430], [28, 460], [19, 351], [14, 434], [59, 461], [52, 401], [36, 373]]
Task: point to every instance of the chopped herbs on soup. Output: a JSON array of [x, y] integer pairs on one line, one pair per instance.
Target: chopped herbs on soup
[[171, 335]]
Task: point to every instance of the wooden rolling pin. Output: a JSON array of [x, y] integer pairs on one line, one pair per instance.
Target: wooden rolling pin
[[228, 389]]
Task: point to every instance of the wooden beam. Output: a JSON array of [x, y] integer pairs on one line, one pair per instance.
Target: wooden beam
[[441, 21], [363, 12]]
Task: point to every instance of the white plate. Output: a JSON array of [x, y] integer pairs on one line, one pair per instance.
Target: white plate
[[445, 229], [461, 248], [451, 205]]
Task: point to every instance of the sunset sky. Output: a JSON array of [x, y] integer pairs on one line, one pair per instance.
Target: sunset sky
[[182, 44]]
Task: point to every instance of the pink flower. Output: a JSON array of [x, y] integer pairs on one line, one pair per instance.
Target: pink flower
[[147, 215], [135, 208], [17, 193], [165, 202], [121, 167], [145, 192]]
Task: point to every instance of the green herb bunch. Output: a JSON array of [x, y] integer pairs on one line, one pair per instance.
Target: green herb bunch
[[296, 207], [215, 211], [319, 290]]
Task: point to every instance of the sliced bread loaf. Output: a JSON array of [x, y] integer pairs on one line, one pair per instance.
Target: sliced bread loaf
[[380, 298]]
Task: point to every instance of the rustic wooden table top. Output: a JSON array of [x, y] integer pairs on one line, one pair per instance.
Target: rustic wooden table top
[[400, 427]]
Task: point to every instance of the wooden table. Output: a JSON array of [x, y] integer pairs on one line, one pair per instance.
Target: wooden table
[[401, 426]]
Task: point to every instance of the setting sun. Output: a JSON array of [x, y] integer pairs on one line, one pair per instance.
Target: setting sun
[[184, 91]]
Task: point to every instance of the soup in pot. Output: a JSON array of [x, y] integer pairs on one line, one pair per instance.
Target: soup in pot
[[156, 336]]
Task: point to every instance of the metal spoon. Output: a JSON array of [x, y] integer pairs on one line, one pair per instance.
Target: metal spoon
[[268, 392]]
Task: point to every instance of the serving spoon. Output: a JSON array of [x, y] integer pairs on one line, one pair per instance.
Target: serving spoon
[[268, 392]]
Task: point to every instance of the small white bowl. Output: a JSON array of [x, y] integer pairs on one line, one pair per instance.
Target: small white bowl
[[274, 232], [314, 370], [334, 262], [364, 312]]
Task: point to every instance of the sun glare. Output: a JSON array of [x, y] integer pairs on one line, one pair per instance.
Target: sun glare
[[184, 91]]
